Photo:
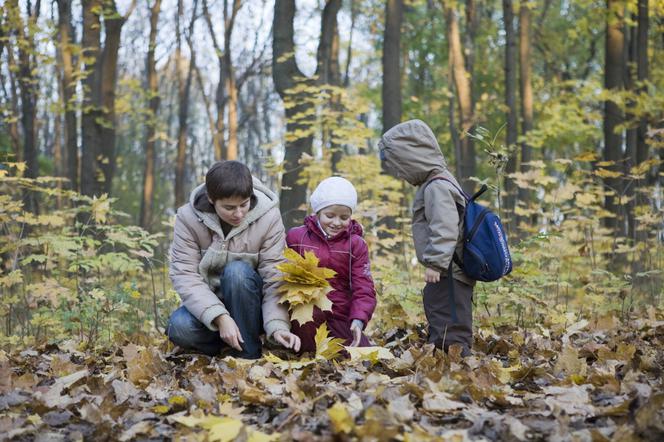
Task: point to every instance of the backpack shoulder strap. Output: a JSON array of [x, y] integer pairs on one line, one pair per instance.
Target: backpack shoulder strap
[[439, 177]]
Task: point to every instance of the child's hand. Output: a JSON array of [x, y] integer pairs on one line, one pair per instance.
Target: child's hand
[[287, 339], [356, 328], [431, 275]]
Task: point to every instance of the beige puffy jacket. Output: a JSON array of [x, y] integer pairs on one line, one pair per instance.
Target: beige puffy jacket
[[200, 251], [411, 152]]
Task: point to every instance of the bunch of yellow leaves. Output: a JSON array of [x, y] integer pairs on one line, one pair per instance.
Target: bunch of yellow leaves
[[305, 285]]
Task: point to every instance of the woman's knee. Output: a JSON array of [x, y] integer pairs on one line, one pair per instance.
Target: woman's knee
[[241, 275], [182, 327]]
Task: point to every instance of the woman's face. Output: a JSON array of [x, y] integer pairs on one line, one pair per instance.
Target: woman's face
[[232, 210], [334, 219]]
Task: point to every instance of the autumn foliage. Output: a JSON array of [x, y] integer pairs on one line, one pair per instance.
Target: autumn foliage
[[566, 347], [305, 285]]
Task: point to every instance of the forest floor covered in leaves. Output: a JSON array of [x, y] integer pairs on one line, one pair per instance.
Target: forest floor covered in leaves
[[592, 380]]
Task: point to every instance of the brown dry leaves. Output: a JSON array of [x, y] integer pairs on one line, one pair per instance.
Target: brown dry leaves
[[593, 380]]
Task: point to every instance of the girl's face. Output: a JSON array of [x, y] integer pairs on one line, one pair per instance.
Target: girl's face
[[232, 210], [334, 219]]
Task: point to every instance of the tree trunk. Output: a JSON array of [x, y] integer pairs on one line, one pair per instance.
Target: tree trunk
[[327, 69], [631, 132], [469, 37], [11, 96], [391, 91], [28, 84], [184, 88], [641, 236], [90, 135], [68, 88], [218, 135], [328, 72], [349, 52], [642, 75], [229, 79], [526, 93], [284, 73], [108, 80], [464, 97], [510, 103], [613, 80], [98, 116], [150, 128]]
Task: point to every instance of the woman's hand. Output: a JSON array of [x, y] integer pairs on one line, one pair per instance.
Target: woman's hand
[[431, 275], [229, 332], [287, 339], [356, 328]]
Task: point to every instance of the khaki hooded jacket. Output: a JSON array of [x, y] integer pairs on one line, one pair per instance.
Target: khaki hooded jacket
[[200, 250], [411, 152]]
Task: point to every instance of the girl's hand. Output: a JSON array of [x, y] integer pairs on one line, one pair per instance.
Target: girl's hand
[[356, 328], [431, 275], [287, 339], [229, 332]]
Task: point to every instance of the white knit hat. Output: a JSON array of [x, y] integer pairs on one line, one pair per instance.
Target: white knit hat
[[331, 191]]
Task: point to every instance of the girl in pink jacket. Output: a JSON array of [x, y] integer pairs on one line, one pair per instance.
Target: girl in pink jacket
[[336, 239]]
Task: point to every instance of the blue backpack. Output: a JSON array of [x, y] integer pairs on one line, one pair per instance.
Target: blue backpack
[[486, 256]]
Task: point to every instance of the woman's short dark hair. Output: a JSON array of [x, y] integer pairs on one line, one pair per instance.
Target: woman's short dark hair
[[227, 179]]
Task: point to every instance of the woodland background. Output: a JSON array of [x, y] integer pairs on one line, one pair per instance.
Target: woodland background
[[111, 112]]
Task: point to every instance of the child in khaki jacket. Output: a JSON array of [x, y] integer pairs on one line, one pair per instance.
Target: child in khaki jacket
[[410, 151]]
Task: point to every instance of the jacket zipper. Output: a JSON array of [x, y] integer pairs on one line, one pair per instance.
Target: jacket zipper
[[478, 222]]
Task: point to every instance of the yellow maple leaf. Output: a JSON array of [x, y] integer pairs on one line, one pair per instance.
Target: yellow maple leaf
[[257, 436], [223, 429], [326, 347], [100, 207], [606, 173], [305, 285], [372, 354], [287, 365], [342, 421], [587, 156], [302, 313]]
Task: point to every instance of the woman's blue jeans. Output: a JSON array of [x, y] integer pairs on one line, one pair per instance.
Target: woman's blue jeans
[[241, 291]]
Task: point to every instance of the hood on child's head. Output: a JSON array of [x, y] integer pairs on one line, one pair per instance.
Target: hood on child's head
[[410, 151]]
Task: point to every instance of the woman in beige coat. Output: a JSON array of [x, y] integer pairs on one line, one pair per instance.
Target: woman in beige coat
[[227, 242]]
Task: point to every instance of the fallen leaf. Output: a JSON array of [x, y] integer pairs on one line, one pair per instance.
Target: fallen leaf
[[569, 362], [124, 390], [53, 398], [570, 400], [402, 409], [372, 354], [440, 402], [341, 420], [222, 429], [143, 427]]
